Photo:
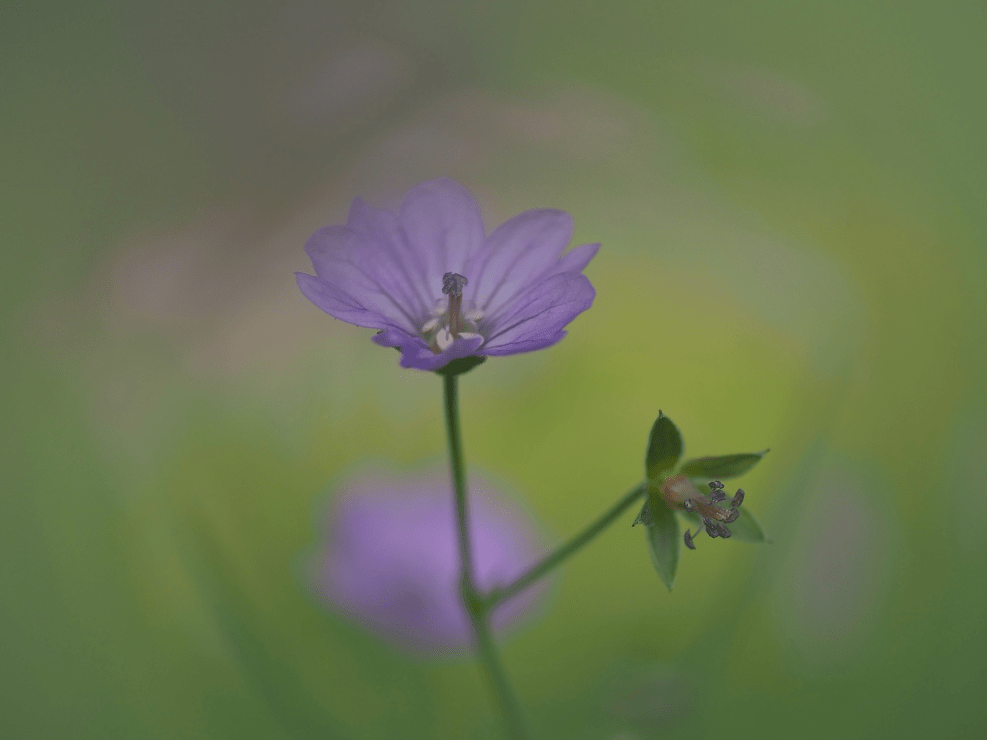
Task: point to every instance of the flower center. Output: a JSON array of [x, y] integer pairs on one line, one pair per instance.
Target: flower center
[[679, 493], [448, 320]]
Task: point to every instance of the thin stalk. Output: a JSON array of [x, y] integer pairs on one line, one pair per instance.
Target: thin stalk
[[476, 606], [560, 554]]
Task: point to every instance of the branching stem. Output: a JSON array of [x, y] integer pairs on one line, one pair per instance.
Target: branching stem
[[477, 607]]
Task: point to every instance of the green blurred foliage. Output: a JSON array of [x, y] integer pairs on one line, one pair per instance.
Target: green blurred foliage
[[790, 199]]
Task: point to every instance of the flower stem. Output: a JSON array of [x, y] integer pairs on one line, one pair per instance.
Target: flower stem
[[560, 554], [477, 607]]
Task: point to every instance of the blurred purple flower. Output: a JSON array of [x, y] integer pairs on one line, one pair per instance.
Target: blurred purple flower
[[391, 559], [438, 288]]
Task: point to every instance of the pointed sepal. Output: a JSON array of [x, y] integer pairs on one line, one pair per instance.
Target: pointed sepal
[[715, 467], [664, 449], [664, 539]]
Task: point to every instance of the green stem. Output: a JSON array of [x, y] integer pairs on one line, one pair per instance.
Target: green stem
[[477, 607], [560, 554]]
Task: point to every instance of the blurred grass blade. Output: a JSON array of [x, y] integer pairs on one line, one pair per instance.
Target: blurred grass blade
[[663, 540], [721, 466], [664, 448], [272, 674]]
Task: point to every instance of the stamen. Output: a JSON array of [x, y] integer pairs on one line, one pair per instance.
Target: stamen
[[452, 285], [680, 493]]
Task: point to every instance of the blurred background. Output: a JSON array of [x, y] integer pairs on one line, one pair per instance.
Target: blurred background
[[790, 198]]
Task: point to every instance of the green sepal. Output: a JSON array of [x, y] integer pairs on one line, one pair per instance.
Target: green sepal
[[713, 467], [461, 365], [747, 529], [664, 539], [644, 516], [664, 448]]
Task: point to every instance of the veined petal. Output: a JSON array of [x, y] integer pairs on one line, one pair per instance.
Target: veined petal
[[382, 227], [542, 312], [517, 255], [539, 343], [576, 259], [357, 266], [338, 303], [442, 224], [415, 353]]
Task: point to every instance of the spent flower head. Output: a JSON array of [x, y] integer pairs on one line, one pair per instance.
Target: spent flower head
[[692, 490], [438, 288], [679, 492], [389, 559]]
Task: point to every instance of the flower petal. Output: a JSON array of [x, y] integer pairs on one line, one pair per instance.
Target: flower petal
[[442, 224], [576, 259], [513, 348], [381, 226], [541, 313], [338, 303], [415, 353], [357, 265], [517, 255]]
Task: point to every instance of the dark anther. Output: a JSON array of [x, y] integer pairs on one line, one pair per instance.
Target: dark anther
[[732, 514], [717, 495], [689, 506], [452, 283], [738, 498], [712, 528], [688, 541], [724, 531], [715, 484]]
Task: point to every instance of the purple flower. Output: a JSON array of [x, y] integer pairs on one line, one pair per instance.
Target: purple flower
[[438, 288], [391, 559]]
